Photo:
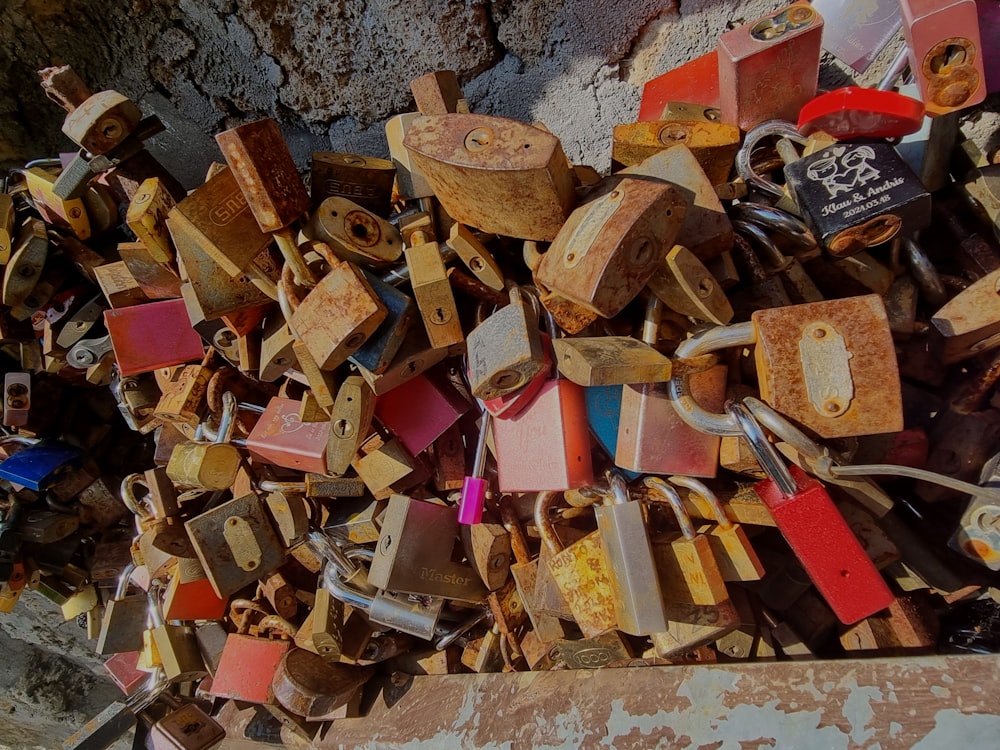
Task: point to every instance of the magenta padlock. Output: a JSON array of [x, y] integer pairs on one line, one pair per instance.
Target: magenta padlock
[[470, 504]]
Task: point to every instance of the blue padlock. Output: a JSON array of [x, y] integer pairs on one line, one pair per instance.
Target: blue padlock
[[40, 465], [604, 405], [377, 353]]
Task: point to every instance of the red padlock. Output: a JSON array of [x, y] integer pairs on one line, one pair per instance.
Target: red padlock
[[855, 112], [148, 337], [696, 82], [814, 529]]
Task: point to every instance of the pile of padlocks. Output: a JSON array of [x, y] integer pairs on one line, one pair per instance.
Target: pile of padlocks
[[491, 411]]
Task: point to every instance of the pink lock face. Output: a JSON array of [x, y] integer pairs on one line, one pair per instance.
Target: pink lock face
[[282, 439]]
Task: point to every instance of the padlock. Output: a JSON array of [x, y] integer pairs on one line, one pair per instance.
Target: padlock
[[686, 286], [155, 280], [281, 438], [183, 393], [328, 621], [693, 83], [354, 233], [147, 218], [385, 466], [419, 411], [625, 541], [17, 398], [312, 687], [610, 360], [908, 624], [8, 218], [712, 144], [266, 175], [415, 615], [189, 594], [246, 668], [689, 573], [432, 292], [855, 196], [209, 292], [27, 260], [414, 551], [581, 572], [769, 68], [124, 618], [728, 541], [366, 180], [132, 328], [475, 255], [967, 325], [977, 535], [376, 355], [40, 464], [186, 727], [854, 113], [411, 183], [350, 423], [47, 527], [67, 214], [806, 517], [611, 245], [475, 486], [208, 465], [505, 351], [648, 418], [235, 544], [946, 53], [438, 93], [464, 157], [337, 316], [176, 645]]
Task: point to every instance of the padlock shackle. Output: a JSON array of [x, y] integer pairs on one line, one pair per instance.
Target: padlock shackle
[[706, 342], [651, 320], [769, 217], [276, 622], [779, 128], [340, 590], [285, 303], [510, 521], [619, 488], [759, 238], [765, 453], [123, 580], [700, 489], [155, 605], [663, 492], [127, 492], [544, 502], [450, 636]]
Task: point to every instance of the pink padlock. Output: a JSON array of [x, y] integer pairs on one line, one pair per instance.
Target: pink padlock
[[419, 411]]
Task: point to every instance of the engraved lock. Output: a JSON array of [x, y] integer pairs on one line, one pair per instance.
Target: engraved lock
[[505, 351], [855, 196], [946, 53], [118, 285], [814, 529], [124, 618], [580, 571], [769, 68], [414, 551], [280, 437], [211, 466], [416, 615], [730, 547], [651, 435], [706, 231], [465, 157], [266, 175], [147, 218], [629, 554], [689, 573], [235, 543], [611, 245], [355, 234], [337, 316], [365, 180]]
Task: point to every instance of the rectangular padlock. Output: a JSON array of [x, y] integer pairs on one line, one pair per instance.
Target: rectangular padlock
[[281, 438], [208, 289], [247, 667], [120, 287], [946, 53], [712, 144], [769, 68], [433, 294], [165, 322], [147, 218], [419, 411], [366, 180], [468, 157], [581, 572], [695, 82]]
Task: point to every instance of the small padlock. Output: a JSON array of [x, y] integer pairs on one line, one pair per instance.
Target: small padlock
[[209, 465], [350, 423], [505, 351], [176, 645], [186, 727], [432, 291], [280, 437], [419, 411]]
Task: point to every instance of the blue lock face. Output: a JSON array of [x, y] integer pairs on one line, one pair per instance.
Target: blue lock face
[[377, 353], [604, 405], [40, 465]]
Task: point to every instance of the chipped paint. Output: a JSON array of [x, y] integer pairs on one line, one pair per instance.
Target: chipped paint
[[951, 726], [857, 708], [894, 729], [940, 692]]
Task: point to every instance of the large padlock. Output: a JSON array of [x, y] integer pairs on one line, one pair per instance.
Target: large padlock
[[629, 554], [235, 543], [102, 121], [466, 157], [354, 233], [40, 464], [420, 410], [247, 666], [414, 553], [611, 245], [651, 435], [314, 688], [336, 317], [769, 68], [166, 322]]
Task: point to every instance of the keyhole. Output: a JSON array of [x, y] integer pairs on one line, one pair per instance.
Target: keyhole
[[355, 341], [953, 54], [477, 264], [111, 129], [705, 287], [360, 231], [506, 379], [673, 134], [479, 139], [439, 316], [342, 428]]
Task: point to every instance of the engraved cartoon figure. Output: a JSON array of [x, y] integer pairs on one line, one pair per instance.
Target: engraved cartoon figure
[[841, 170]]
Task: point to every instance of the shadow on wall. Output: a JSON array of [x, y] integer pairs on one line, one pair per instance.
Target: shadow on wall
[[331, 71]]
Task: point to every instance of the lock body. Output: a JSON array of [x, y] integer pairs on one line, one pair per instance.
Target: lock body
[[354, 233], [247, 667], [505, 351], [582, 575], [365, 180], [419, 411], [280, 437], [712, 144], [166, 322], [521, 168], [695, 82]]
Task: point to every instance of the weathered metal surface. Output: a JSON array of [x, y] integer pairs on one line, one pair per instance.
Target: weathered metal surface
[[355, 233], [495, 174], [610, 360], [366, 180], [308, 685], [713, 144]]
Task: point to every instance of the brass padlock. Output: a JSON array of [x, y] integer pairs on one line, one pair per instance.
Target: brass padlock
[[354, 233], [713, 144], [350, 423], [147, 218], [465, 157], [612, 244], [124, 618], [365, 180], [432, 292], [209, 465], [175, 644]]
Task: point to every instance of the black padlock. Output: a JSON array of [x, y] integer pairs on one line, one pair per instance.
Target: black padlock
[[856, 195]]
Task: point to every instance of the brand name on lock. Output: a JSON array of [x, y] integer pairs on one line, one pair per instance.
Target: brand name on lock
[[228, 208], [431, 574], [336, 187]]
